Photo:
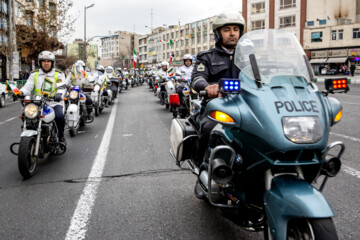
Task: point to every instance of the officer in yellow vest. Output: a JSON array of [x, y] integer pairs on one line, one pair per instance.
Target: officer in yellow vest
[[34, 83]]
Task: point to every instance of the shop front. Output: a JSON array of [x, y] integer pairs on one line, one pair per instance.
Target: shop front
[[354, 59]]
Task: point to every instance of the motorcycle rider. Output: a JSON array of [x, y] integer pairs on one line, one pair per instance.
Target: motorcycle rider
[[185, 73], [79, 77], [161, 75], [102, 81], [214, 64], [34, 83]]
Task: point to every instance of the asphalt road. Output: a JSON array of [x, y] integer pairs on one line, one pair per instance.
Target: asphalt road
[[135, 190]]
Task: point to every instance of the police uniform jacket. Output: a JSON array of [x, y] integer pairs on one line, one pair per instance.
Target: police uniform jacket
[[211, 66]]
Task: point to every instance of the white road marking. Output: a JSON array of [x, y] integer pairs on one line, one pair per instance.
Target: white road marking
[[351, 171], [346, 137], [128, 135], [10, 119], [85, 151], [96, 136], [80, 219]]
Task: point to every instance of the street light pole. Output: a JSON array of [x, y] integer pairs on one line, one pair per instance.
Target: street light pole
[[85, 43]]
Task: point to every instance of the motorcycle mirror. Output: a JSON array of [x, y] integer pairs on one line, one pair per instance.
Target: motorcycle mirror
[[229, 85], [336, 85]]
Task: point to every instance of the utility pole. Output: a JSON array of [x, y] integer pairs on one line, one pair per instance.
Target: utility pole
[[85, 43], [11, 40], [152, 15]]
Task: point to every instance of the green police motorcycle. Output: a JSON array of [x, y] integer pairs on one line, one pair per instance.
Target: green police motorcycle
[[270, 145]]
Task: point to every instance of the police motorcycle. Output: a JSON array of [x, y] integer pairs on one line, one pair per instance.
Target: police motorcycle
[[39, 134], [96, 94], [141, 76], [122, 81], [188, 94], [270, 145], [126, 79], [109, 74], [133, 78], [77, 114]]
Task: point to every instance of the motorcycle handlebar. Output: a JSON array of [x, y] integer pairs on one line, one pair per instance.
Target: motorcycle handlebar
[[203, 93]]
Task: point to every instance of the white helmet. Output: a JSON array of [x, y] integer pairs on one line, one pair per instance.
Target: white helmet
[[46, 55], [100, 68], [79, 63], [228, 18], [187, 57], [165, 63]]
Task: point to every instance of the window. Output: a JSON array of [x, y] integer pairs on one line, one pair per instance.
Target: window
[[181, 33], [164, 47], [177, 43], [333, 35], [167, 36], [310, 23], [356, 33], [287, 4], [163, 55], [322, 22], [193, 51], [187, 31], [176, 53], [341, 34], [288, 21], [316, 37], [198, 36], [199, 49], [177, 34], [167, 45], [205, 38], [192, 39], [4, 7], [187, 42], [172, 35], [258, 25], [258, 7], [182, 52], [29, 19], [52, 6]]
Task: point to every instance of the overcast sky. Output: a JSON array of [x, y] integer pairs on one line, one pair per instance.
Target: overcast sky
[[127, 15]]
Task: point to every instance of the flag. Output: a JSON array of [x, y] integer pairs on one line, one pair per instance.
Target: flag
[[10, 87], [171, 72], [171, 57], [171, 42], [135, 58]]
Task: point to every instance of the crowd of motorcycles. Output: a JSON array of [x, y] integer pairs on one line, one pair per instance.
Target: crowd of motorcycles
[[265, 155], [81, 104]]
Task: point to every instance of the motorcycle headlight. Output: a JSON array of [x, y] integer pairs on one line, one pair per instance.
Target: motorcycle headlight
[[74, 94], [31, 111], [97, 88], [302, 129]]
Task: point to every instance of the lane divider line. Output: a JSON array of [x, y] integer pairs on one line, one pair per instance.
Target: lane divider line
[[351, 171], [80, 219], [345, 136]]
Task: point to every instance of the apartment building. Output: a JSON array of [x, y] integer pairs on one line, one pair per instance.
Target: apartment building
[[332, 34], [288, 15], [154, 46], [190, 38], [142, 54]]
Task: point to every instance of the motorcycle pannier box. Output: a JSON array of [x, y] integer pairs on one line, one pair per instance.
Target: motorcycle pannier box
[[88, 87], [174, 99], [180, 129]]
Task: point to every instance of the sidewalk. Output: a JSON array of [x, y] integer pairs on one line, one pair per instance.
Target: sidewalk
[[353, 80]]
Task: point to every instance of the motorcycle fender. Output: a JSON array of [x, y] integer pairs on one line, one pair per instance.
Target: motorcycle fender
[[73, 112], [29, 133], [290, 198]]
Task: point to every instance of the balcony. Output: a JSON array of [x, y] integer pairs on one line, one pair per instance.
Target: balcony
[[343, 21]]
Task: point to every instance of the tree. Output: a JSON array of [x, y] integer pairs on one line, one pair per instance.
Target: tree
[[44, 26], [64, 62]]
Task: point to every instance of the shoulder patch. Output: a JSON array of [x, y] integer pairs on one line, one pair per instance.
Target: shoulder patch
[[200, 67], [204, 52]]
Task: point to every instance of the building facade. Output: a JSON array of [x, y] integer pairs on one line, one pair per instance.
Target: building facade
[[278, 14], [154, 46], [142, 54], [190, 38], [332, 35]]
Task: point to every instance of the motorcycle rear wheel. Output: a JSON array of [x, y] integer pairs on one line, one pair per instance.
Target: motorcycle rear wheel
[[27, 162], [308, 229], [97, 111]]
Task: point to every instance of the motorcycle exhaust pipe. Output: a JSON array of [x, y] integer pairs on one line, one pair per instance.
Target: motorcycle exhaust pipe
[[221, 172], [331, 167]]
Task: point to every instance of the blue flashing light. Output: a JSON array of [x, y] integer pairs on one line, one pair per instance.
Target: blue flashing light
[[231, 87], [236, 83], [226, 82], [231, 83], [236, 88], [226, 87], [77, 88]]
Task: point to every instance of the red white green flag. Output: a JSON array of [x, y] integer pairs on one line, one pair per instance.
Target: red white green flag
[[10, 87], [135, 58]]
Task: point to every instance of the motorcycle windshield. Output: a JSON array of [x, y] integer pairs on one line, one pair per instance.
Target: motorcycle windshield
[[278, 54]]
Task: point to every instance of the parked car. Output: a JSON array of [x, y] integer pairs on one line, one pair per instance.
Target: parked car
[[3, 94]]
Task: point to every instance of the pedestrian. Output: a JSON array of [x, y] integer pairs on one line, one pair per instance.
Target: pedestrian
[[352, 69], [21, 75], [343, 69]]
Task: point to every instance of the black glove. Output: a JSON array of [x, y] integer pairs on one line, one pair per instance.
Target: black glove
[[58, 97]]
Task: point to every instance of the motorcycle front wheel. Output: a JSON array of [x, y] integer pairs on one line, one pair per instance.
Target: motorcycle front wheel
[[96, 111], [27, 162], [308, 229], [73, 131]]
